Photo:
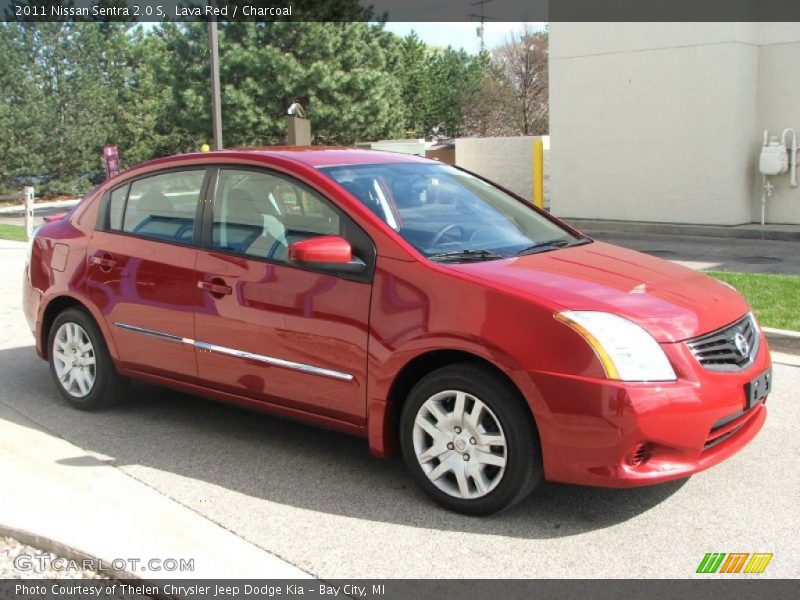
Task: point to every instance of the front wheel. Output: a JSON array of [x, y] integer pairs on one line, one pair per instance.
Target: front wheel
[[469, 440], [80, 363]]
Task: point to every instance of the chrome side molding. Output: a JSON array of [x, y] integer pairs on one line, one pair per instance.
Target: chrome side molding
[[270, 360], [167, 337]]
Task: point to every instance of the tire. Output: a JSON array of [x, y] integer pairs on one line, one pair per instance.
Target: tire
[[458, 466], [85, 375]]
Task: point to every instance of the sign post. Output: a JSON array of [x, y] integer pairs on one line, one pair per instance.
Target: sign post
[[538, 172], [28, 211], [111, 161]]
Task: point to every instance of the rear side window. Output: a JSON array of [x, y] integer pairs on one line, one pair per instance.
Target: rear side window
[[116, 207], [163, 206]]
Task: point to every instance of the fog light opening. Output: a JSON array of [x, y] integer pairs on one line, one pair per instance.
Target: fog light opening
[[641, 454]]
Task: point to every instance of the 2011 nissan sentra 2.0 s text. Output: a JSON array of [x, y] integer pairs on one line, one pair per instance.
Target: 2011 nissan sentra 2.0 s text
[[402, 300]]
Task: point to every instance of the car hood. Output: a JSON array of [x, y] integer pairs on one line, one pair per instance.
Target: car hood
[[672, 302]]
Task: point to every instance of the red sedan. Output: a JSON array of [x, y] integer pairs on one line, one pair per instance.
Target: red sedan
[[405, 301]]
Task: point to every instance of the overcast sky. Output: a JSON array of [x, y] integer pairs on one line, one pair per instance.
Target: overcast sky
[[460, 35]]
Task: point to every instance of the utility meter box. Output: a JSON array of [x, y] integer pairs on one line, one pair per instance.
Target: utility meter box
[[774, 160]]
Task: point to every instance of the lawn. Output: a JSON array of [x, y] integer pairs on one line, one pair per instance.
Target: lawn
[[12, 232], [775, 298]]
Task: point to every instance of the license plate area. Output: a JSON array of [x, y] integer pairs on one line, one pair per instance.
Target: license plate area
[[757, 389]]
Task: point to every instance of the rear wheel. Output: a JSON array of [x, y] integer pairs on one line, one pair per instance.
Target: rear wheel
[[469, 440], [80, 363]]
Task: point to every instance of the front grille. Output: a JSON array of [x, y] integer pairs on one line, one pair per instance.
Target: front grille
[[731, 348]]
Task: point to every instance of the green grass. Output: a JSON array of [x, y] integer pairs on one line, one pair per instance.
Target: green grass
[[12, 232], [775, 298]]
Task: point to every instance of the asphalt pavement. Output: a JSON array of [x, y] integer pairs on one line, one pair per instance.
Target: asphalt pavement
[[15, 215], [739, 255], [319, 501]]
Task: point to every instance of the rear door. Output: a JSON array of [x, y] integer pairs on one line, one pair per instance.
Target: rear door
[[266, 328], [141, 270]]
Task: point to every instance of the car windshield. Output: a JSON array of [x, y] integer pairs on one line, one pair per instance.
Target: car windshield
[[448, 214]]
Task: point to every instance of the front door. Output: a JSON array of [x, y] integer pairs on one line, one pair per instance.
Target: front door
[[268, 329], [141, 271]]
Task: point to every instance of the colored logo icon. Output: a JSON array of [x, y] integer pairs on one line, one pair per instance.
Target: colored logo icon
[[734, 562]]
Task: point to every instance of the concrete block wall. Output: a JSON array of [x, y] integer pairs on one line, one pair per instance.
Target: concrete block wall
[[507, 161]]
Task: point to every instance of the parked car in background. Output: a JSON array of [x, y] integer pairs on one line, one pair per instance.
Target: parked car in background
[[23, 180], [405, 301]]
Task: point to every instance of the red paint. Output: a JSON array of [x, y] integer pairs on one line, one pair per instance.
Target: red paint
[[499, 311]]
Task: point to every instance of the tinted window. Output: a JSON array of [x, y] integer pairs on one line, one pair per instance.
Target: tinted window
[[163, 206], [116, 206], [439, 209], [260, 214]]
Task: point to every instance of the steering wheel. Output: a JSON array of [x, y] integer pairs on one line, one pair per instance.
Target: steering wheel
[[441, 233], [477, 233], [277, 245]]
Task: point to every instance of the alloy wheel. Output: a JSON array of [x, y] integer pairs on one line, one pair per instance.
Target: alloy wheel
[[460, 444], [75, 361]]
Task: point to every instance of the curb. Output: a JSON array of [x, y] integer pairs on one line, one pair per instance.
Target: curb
[[781, 333], [784, 345], [64, 550]]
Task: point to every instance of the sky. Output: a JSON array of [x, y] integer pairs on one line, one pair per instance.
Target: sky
[[456, 34], [460, 35]]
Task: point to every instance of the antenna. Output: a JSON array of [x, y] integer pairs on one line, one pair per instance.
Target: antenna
[[481, 16]]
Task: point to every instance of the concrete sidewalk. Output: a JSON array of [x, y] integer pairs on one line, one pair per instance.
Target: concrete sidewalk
[[64, 499]]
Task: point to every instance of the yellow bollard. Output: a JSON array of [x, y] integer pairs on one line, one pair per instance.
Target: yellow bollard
[[204, 148], [538, 172]]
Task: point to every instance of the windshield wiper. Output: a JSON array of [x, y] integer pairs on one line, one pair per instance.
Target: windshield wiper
[[552, 245], [466, 255]]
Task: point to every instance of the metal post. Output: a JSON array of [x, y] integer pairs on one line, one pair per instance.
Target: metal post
[[29, 211], [538, 172], [216, 109]]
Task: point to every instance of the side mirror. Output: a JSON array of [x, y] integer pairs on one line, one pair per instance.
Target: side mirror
[[328, 252]]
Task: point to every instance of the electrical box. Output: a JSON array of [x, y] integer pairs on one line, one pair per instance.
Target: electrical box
[[774, 160]]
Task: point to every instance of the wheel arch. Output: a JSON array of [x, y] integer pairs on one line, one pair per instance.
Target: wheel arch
[[384, 416], [58, 304]]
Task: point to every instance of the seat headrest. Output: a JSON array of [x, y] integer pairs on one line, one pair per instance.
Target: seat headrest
[[242, 208], [154, 203]]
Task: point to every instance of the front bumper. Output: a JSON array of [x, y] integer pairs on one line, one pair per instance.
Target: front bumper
[[615, 434]]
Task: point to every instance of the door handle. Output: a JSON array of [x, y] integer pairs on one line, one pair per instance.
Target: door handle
[[104, 260], [215, 287]]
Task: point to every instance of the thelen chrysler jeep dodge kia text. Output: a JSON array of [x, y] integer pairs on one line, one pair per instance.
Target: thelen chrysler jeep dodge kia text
[[405, 301]]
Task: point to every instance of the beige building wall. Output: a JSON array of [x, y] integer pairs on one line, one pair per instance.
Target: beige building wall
[[663, 121]]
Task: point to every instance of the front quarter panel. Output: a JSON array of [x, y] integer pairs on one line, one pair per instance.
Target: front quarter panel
[[420, 307]]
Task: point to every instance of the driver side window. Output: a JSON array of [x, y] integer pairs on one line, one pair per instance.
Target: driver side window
[[260, 214]]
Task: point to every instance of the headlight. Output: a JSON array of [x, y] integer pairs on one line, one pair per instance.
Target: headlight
[[627, 351]]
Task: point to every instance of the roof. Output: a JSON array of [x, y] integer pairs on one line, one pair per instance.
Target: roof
[[321, 156]]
